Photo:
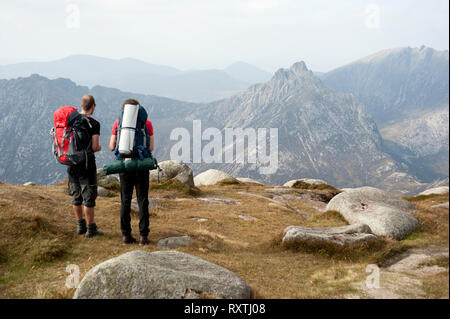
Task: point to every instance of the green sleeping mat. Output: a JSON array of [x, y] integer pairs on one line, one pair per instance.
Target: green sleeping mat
[[130, 165]]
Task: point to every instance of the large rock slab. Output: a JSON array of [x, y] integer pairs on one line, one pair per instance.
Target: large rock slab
[[435, 191], [385, 214], [173, 169], [342, 236], [211, 177], [418, 261], [160, 275]]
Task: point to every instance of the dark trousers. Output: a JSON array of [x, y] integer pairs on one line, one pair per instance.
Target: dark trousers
[[127, 182]]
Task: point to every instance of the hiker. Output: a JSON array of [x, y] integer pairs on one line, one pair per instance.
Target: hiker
[[139, 179], [83, 177]]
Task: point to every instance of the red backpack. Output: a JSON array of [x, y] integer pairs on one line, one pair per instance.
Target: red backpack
[[71, 139]]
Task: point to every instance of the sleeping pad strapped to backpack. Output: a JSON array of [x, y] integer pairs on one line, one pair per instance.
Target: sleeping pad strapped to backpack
[[138, 156]]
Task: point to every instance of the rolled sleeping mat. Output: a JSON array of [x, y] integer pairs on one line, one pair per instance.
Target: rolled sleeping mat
[[114, 167], [130, 165], [148, 163], [128, 129], [140, 165]]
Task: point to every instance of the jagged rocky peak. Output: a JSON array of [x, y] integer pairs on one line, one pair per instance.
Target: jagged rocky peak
[[296, 70]]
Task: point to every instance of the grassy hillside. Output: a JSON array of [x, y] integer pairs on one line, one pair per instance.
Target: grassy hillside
[[38, 240]]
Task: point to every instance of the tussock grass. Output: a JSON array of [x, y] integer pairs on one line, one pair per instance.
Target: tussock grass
[[229, 181], [434, 287], [329, 218], [322, 186], [355, 252], [49, 250], [175, 185], [421, 198], [113, 187]]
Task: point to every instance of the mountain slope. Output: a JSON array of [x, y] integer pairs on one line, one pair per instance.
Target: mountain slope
[[393, 83], [322, 133], [422, 143], [406, 90]]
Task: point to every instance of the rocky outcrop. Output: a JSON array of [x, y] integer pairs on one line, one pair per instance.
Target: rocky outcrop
[[435, 191], [341, 236], [108, 180], [305, 180], [160, 275], [173, 169], [443, 205], [211, 177], [102, 192], [152, 203], [385, 214], [175, 242], [418, 261], [29, 184]]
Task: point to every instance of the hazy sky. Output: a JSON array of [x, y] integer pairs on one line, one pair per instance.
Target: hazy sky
[[193, 34]]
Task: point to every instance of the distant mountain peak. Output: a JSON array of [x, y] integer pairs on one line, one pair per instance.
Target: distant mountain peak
[[299, 67], [296, 70]]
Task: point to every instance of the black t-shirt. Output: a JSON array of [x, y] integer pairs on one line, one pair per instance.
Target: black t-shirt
[[95, 129]]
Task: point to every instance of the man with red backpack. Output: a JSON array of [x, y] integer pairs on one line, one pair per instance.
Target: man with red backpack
[[75, 140], [141, 146]]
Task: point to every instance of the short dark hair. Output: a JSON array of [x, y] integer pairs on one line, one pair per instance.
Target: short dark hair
[[130, 101], [87, 102]]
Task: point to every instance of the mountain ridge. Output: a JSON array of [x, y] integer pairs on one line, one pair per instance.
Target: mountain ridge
[[130, 74]]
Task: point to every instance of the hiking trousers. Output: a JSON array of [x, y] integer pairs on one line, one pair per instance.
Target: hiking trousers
[[83, 184], [128, 181]]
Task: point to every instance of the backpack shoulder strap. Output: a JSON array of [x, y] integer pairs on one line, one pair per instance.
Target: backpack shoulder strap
[[86, 119]]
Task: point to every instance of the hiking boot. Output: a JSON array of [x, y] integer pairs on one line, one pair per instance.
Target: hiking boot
[[128, 239], [81, 226], [92, 231], [143, 240]]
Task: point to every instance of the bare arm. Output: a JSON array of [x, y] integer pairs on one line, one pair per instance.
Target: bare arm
[[152, 144], [96, 147], [112, 143]]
